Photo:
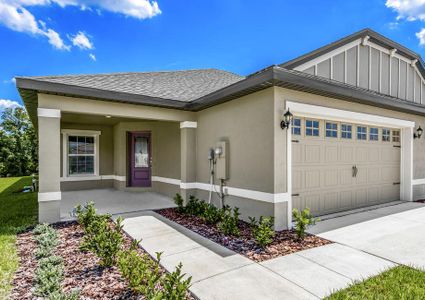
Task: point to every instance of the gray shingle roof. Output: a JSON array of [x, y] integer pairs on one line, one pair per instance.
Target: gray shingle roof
[[184, 86]]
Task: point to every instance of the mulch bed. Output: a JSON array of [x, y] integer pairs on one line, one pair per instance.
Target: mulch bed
[[82, 270], [285, 241]]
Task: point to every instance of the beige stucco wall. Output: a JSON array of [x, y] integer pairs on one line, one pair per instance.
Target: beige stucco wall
[[247, 124]]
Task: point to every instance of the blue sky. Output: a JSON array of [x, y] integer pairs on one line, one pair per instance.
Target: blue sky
[[52, 37]]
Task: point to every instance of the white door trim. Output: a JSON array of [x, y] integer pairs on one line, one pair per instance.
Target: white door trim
[[406, 127]]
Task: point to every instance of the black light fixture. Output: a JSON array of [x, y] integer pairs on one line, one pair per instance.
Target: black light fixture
[[418, 133], [287, 119]]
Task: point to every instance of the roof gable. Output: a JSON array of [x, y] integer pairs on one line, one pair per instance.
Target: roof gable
[[368, 60]]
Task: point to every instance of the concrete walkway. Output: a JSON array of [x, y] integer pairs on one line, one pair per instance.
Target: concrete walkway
[[395, 233], [218, 273]]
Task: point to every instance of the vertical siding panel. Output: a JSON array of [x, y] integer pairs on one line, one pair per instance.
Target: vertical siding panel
[[394, 76], [374, 70], [417, 87], [352, 66], [338, 67], [324, 68], [403, 82], [410, 82], [385, 74], [364, 67]]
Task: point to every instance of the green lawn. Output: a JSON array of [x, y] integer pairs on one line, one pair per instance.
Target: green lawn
[[400, 283], [17, 212]]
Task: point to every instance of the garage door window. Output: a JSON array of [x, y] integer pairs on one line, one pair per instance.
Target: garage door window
[[311, 128], [386, 135], [361, 133], [296, 126], [373, 134], [331, 129], [396, 136], [346, 131]]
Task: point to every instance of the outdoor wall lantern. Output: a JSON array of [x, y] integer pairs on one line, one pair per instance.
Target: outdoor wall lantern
[[418, 133], [287, 120]]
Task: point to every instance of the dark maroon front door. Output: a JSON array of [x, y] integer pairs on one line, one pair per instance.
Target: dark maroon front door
[[140, 159]]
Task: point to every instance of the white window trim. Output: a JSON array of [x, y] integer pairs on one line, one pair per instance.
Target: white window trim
[[74, 132]]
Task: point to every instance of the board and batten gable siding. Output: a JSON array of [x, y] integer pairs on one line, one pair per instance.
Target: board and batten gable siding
[[372, 67]]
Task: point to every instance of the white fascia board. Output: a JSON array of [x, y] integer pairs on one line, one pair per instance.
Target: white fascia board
[[49, 196], [48, 113], [328, 55], [188, 124], [315, 111]]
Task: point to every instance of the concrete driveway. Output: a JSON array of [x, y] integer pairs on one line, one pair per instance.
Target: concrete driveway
[[395, 233]]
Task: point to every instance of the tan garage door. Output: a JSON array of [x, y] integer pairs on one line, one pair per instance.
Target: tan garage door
[[338, 166]]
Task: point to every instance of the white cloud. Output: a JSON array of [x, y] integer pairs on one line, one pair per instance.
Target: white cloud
[[81, 41], [4, 103], [421, 36], [92, 56], [14, 14], [16, 17], [12, 80], [408, 9]]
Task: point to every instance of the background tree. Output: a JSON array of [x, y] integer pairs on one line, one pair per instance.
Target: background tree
[[18, 143]]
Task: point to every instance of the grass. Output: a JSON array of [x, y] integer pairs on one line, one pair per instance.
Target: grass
[[399, 283], [17, 212]]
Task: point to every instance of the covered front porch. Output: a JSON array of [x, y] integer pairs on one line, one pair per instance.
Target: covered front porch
[[125, 158], [113, 201]]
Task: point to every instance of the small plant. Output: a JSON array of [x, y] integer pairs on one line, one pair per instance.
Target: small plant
[[50, 271], [230, 222], [303, 219], [178, 200], [87, 215], [143, 274], [212, 214], [263, 230], [175, 287], [103, 240], [195, 206]]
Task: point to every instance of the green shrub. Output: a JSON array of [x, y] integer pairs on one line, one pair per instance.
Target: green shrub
[[263, 230], [87, 214], [145, 276], [175, 287], [103, 240], [230, 222], [178, 200], [303, 219], [212, 214], [48, 276], [195, 206], [143, 273], [47, 239]]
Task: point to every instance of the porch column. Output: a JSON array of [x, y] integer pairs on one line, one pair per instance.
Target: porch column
[[49, 195], [188, 158]]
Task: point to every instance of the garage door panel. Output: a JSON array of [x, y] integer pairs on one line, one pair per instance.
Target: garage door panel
[[330, 201], [390, 193], [390, 174], [312, 179], [312, 153], [331, 178], [347, 199], [373, 154], [361, 177], [374, 174], [313, 202], [361, 197], [346, 176], [361, 154], [331, 154], [297, 181], [347, 154], [373, 195], [297, 153]]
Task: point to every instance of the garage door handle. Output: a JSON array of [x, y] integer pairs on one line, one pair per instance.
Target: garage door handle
[[295, 195], [355, 171], [396, 183]]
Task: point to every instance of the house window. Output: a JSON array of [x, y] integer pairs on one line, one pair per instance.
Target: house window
[[373, 134], [361, 133], [311, 128], [80, 153], [331, 129], [386, 135], [346, 131], [396, 136], [296, 126]]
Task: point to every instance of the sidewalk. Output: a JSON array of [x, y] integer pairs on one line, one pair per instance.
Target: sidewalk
[[219, 273]]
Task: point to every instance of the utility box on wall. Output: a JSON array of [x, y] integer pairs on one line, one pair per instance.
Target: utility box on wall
[[222, 160]]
